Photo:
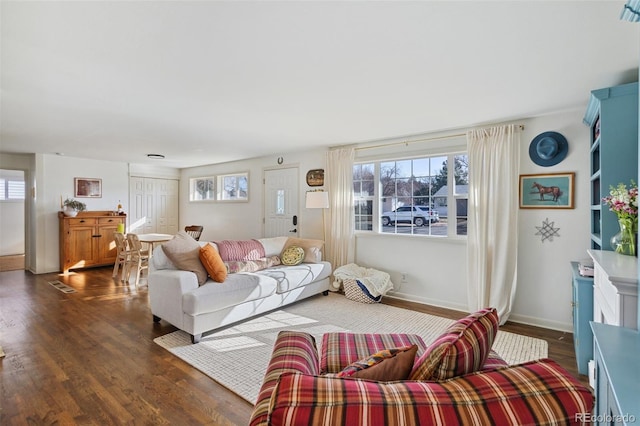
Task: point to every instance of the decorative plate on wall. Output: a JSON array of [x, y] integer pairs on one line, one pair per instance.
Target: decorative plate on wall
[[315, 177]]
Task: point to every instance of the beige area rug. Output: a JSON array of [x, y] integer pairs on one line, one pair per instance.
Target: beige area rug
[[237, 357]]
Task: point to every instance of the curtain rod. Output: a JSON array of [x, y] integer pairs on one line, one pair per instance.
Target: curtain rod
[[407, 142]]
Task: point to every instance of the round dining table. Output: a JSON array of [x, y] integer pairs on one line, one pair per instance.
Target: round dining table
[[153, 239]]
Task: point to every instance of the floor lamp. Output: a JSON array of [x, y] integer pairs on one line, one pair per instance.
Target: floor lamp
[[318, 200]]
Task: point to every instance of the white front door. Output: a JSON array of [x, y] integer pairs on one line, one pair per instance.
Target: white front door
[[281, 202]]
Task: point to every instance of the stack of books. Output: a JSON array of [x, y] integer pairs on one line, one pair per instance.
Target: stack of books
[[585, 267]]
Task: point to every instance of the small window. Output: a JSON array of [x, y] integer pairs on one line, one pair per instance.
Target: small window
[[12, 190], [233, 187], [202, 189]]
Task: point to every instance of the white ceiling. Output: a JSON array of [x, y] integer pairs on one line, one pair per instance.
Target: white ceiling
[[207, 82]]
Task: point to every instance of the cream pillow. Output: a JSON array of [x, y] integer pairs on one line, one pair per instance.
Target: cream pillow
[[184, 252], [312, 248]]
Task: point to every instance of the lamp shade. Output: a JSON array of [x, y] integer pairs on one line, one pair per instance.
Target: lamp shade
[[317, 200]]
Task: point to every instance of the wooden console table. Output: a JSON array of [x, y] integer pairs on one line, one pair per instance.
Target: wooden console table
[[87, 239]]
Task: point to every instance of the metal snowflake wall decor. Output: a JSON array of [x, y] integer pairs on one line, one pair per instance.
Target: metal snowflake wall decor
[[547, 231]]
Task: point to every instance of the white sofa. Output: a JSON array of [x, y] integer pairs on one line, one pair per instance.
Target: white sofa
[[176, 297]]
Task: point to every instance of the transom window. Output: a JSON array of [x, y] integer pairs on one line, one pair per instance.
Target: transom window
[[414, 196]]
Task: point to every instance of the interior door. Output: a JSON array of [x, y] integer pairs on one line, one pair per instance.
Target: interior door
[[281, 202], [167, 206], [137, 205], [153, 205]]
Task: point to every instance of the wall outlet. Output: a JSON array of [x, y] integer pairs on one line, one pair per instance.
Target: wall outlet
[[403, 277]]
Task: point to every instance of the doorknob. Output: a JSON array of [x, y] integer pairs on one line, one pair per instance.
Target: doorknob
[[294, 230]]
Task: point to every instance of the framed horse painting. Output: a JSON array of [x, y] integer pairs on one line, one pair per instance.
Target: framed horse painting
[[546, 191]]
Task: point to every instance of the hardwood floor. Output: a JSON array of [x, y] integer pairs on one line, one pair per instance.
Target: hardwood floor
[[88, 357]]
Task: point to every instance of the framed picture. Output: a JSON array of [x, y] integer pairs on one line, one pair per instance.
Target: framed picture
[[315, 177], [546, 191], [202, 189], [87, 187]]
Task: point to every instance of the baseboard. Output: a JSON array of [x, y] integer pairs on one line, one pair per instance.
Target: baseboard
[[541, 322], [431, 302], [520, 319], [12, 263]]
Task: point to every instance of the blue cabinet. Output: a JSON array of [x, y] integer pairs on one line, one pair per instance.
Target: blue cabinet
[[617, 387], [582, 304], [612, 115]]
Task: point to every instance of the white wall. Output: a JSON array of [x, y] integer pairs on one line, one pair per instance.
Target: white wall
[[544, 275], [436, 268], [55, 179], [243, 220]]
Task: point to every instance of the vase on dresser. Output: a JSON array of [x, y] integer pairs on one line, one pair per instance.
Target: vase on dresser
[[624, 242], [70, 211]]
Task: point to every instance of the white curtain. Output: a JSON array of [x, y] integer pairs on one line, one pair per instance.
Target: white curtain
[[339, 219], [492, 232]]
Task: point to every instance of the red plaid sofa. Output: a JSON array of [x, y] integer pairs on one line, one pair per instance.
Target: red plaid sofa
[[297, 390]]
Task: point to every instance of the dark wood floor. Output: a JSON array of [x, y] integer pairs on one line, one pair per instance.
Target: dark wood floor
[[88, 357]]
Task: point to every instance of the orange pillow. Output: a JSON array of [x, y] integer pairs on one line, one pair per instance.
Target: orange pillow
[[213, 263]]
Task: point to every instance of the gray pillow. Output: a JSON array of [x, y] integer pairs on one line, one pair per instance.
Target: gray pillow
[[184, 253]]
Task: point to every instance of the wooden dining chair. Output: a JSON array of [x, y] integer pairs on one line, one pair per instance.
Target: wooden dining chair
[[138, 258], [194, 230], [122, 256]]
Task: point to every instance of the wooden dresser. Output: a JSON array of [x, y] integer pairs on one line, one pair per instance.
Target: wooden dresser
[[87, 239]]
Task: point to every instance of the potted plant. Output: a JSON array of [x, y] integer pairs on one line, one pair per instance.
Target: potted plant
[[72, 207]]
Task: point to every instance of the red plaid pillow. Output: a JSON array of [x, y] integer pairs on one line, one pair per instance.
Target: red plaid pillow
[[462, 349]]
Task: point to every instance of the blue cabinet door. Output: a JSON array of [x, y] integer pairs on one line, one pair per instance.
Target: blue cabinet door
[[582, 314]]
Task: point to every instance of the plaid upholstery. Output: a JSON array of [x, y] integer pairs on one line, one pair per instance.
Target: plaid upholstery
[[534, 393], [293, 352], [341, 349], [462, 349], [494, 361]]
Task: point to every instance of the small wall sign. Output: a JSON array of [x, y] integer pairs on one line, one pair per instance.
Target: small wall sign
[[315, 177]]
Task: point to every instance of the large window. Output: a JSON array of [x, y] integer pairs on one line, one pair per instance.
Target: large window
[[415, 196]]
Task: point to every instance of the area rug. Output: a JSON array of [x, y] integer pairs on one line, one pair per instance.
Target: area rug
[[237, 357]]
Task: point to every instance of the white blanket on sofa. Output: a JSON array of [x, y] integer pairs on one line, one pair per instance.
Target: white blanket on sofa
[[377, 282]]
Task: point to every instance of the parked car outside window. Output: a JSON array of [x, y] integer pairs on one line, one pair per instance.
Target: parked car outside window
[[418, 215]]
